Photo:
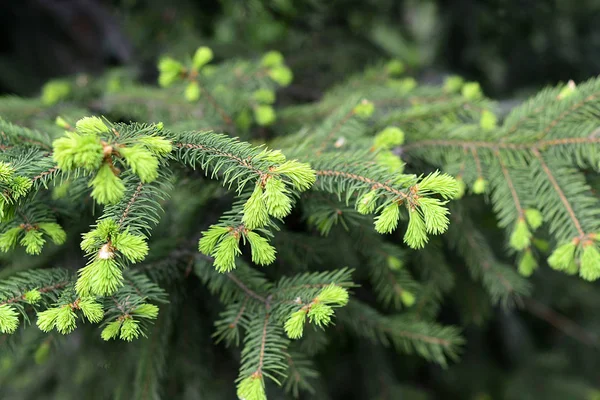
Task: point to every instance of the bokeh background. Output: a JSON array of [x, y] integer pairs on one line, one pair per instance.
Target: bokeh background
[[512, 47]]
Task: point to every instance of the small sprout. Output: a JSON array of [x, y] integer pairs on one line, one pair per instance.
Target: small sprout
[[471, 91], [276, 198], [47, 319], [365, 109], [158, 145], [255, 209], [264, 96], [146, 310], [202, 56], [91, 310], [55, 91], [33, 241], [416, 232], [294, 326], [61, 122], [480, 185], [462, 187], [367, 202], [225, 253], [528, 264], [8, 239], [56, 233], [394, 263], [91, 126], [567, 90], [407, 298], [488, 120], [111, 330], [389, 138], [320, 314], [387, 221], [521, 236], [394, 67], [169, 71], [262, 252], [453, 84], [32, 296], [129, 329], [65, 320], [590, 263], [9, 319], [534, 218], [333, 294], [282, 75], [272, 59], [563, 256], [210, 238], [108, 188], [301, 175], [264, 115], [252, 388], [434, 214], [192, 92], [141, 161]]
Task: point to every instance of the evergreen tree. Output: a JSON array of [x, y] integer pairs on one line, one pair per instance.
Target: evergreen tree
[[201, 212]]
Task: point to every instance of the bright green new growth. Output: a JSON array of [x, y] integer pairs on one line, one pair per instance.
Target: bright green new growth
[[408, 299], [159, 146], [480, 186], [192, 92], [590, 262], [488, 120], [300, 174], [520, 238], [108, 188], [333, 295], [202, 56], [453, 84], [91, 126], [146, 310], [563, 256], [111, 330], [78, 151], [262, 252], [141, 161], [277, 198], [388, 138], [226, 251], [264, 114], [210, 238], [62, 318], [33, 241], [264, 96], [252, 388], [55, 91], [255, 210], [364, 109], [9, 319], [32, 296], [471, 90], [294, 326], [534, 218], [528, 264], [416, 232], [387, 221], [130, 330], [282, 75], [367, 202], [169, 71]]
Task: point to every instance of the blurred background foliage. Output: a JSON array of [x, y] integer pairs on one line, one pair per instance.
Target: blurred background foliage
[[511, 46]]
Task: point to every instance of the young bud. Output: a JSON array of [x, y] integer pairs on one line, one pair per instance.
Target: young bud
[[32, 296], [272, 59], [367, 202], [90, 126], [294, 326], [488, 120], [282, 75], [108, 188], [55, 91], [264, 115], [225, 253], [407, 298], [320, 314], [333, 295], [252, 388], [170, 70], [435, 215], [264, 96], [133, 247], [416, 233], [394, 263], [47, 319], [9, 319], [387, 221], [129, 329], [65, 320], [388, 138], [111, 330], [567, 90], [91, 310], [210, 238], [33, 241], [443, 184], [300, 174], [192, 92], [202, 56], [8, 239], [462, 187], [563, 256], [453, 84], [528, 264], [479, 186], [60, 121], [276, 198], [255, 210], [471, 91], [590, 263], [159, 146], [262, 252], [394, 67], [365, 109], [146, 310], [77, 151], [534, 218], [521, 236], [56, 233]]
